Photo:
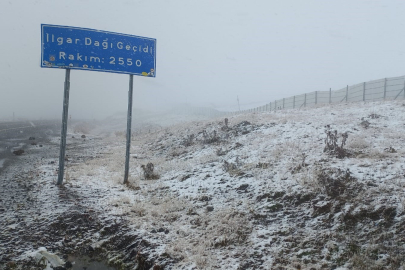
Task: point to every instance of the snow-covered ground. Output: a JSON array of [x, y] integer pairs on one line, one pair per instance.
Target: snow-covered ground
[[270, 190]]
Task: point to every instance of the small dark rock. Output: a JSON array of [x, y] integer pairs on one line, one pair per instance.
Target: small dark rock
[[83, 136], [31, 138], [365, 124], [153, 231], [205, 198], [161, 230], [18, 152], [243, 187], [166, 231], [68, 264], [210, 208], [40, 145], [185, 177], [390, 150]]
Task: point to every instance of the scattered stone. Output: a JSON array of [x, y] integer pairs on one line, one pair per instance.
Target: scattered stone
[[365, 124], [210, 208], [185, 177], [390, 150], [83, 136], [68, 265], [243, 187], [374, 116], [59, 268], [18, 152], [31, 138], [205, 198]]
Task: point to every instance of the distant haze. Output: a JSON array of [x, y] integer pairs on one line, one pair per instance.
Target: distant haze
[[208, 52]]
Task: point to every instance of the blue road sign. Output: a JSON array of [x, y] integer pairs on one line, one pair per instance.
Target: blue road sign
[[89, 49]]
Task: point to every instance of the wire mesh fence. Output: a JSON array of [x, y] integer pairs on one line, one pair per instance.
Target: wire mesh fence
[[382, 89]]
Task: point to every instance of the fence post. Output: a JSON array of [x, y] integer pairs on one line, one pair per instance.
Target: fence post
[[330, 95], [305, 100], [347, 93], [316, 97], [364, 91], [294, 103], [385, 88]]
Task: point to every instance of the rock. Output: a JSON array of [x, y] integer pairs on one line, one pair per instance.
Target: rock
[[153, 231], [18, 152], [59, 268], [390, 150], [31, 138], [365, 124], [83, 136], [161, 230], [210, 208], [243, 187], [205, 198], [68, 265], [185, 177]]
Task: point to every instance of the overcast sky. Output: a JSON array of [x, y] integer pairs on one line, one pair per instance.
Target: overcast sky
[[208, 52]]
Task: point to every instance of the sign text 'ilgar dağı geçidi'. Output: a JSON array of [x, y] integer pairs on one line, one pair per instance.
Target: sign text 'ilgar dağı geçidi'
[[89, 49]]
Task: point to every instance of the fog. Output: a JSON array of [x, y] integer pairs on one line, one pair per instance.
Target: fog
[[208, 52]]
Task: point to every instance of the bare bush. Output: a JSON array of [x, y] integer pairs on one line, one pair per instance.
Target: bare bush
[[231, 168], [332, 145], [335, 182], [148, 172], [188, 141], [210, 138]]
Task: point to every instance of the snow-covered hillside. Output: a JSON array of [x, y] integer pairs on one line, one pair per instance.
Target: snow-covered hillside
[[318, 188]]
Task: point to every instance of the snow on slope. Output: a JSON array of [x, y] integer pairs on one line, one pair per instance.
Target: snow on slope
[[260, 193]]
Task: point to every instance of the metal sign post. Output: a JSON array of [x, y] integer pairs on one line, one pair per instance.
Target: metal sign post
[[129, 121], [64, 128]]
